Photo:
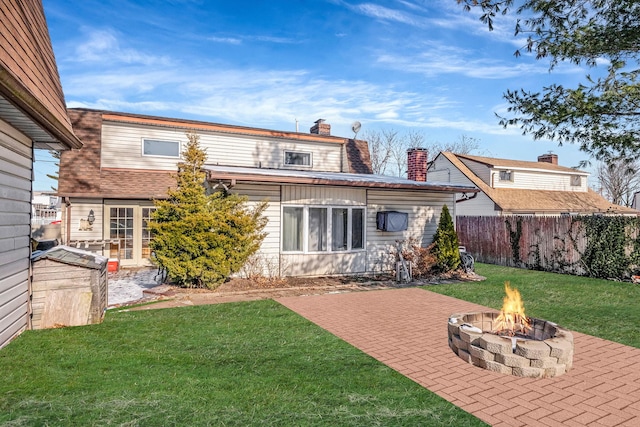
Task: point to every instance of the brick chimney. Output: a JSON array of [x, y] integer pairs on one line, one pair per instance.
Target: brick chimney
[[417, 164], [321, 128], [549, 158]]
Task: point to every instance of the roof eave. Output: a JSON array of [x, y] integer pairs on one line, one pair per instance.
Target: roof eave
[[214, 176], [13, 91]]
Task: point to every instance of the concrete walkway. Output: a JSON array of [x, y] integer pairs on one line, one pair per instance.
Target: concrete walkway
[[406, 329]]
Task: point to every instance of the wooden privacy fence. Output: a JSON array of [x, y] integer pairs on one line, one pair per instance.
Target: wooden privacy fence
[[544, 243]]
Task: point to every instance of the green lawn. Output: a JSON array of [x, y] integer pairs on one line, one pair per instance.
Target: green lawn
[[606, 309], [237, 364]]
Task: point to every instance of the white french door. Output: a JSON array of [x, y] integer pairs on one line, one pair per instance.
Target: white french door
[[128, 225]]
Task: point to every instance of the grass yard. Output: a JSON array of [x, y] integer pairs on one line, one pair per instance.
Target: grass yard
[[236, 364], [606, 309]]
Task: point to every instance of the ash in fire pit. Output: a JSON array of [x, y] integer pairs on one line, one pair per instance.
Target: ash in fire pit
[[526, 347]]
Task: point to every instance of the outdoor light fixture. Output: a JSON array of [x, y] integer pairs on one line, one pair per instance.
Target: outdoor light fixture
[[91, 217]]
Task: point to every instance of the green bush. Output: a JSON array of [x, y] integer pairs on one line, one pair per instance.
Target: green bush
[[200, 239], [445, 241]]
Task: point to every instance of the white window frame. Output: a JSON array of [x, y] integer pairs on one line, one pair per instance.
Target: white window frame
[[158, 155], [305, 228], [576, 181], [505, 172], [295, 165]]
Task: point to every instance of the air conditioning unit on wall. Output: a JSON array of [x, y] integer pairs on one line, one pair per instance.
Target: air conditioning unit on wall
[[392, 221]]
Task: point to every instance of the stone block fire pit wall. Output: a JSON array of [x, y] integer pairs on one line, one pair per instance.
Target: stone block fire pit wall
[[546, 351]]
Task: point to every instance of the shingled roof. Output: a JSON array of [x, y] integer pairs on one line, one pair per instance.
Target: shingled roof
[[528, 201], [31, 97], [82, 175]]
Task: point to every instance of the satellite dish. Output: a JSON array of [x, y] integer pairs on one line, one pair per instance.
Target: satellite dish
[[355, 127]]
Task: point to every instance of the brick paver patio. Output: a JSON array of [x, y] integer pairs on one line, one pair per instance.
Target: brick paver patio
[[406, 329]]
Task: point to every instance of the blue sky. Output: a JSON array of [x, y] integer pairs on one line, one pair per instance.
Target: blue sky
[[407, 65]]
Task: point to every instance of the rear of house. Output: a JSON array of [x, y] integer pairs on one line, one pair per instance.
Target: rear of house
[[32, 115], [517, 187], [323, 198]]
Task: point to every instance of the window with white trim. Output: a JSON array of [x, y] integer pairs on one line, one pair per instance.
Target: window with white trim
[[506, 176], [576, 180], [158, 148], [312, 229], [297, 158]]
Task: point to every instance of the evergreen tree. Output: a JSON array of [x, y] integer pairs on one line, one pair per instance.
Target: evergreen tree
[[56, 174], [446, 243], [201, 239]]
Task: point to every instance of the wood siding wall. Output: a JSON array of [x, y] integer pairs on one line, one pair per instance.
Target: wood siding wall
[[489, 241], [540, 181], [424, 213], [268, 258], [69, 295], [445, 171], [80, 209], [122, 148], [480, 169], [16, 165]]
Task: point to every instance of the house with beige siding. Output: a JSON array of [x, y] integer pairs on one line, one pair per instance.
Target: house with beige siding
[[324, 202], [516, 187], [32, 115]]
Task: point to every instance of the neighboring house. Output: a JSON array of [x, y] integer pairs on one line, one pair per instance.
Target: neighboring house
[[636, 201], [32, 115], [514, 187], [323, 198]]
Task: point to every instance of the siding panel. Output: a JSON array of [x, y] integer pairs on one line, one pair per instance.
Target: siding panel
[[122, 148], [424, 213], [269, 254], [15, 225]]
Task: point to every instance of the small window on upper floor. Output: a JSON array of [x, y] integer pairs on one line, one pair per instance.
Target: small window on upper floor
[[506, 175], [576, 180], [297, 158], [154, 147]]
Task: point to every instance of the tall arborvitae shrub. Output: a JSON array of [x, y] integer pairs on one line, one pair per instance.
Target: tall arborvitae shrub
[[199, 239], [446, 243]]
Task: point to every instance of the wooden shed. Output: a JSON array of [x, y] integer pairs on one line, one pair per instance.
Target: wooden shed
[[69, 288]]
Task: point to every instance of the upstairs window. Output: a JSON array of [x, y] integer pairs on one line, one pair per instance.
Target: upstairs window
[[155, 147], [297, 158], [506, 175], [576, 181]]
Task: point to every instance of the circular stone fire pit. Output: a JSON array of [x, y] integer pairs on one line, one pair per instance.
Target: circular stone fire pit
[[545, 351]]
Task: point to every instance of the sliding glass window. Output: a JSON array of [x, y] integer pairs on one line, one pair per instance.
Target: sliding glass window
[[312, 229]]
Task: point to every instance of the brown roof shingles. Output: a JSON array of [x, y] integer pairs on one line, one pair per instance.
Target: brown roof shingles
[[81, 174], [358, 156], [29, 76], [494, 162], [537, 201]]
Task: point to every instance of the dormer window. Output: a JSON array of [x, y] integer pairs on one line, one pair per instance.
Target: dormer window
[[506, 175], [297, 158], [155, 147], [576, 181]]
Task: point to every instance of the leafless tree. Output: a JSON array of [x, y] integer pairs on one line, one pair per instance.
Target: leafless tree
[[379, 150], [619, 180], [463, 145], [388, 149]]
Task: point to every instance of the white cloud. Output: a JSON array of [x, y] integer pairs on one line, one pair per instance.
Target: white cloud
[[102, 46], [387, 14], [438, 60], [228, 40]]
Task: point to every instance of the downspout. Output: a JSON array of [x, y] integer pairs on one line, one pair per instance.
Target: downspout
[[465, 197]]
